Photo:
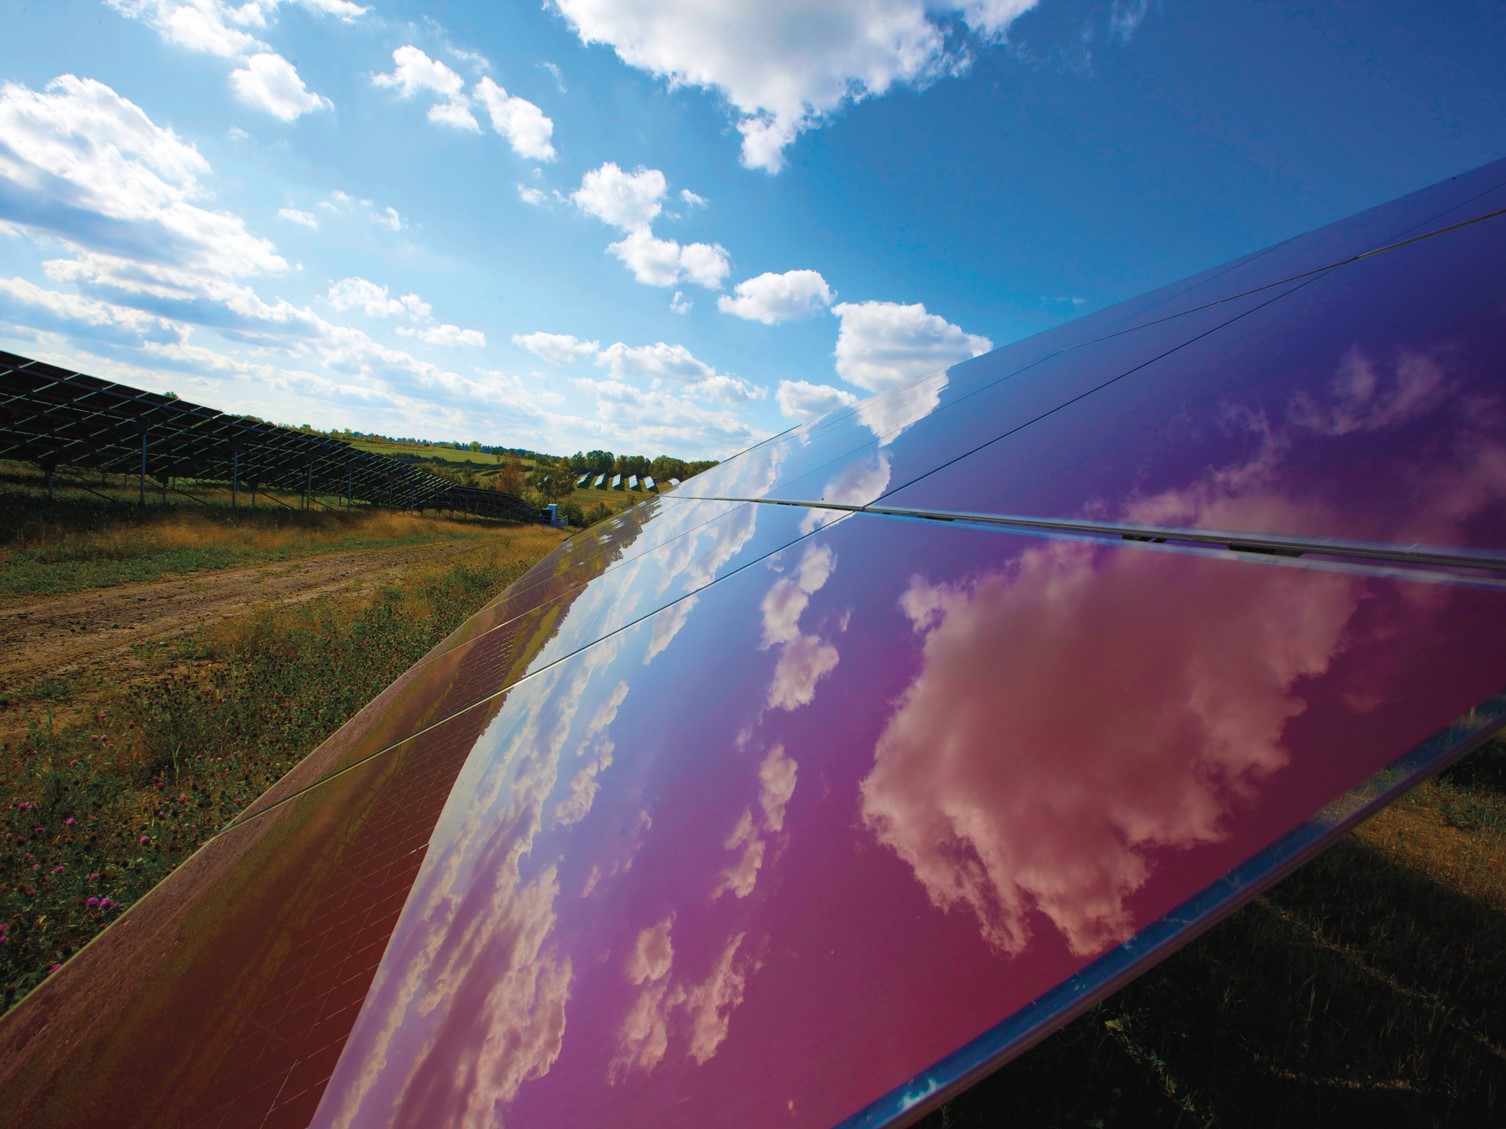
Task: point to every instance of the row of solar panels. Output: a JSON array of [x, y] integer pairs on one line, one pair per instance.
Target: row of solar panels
[[53, 417], [617, 482]]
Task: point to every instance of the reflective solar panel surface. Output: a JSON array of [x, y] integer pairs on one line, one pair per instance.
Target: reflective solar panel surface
[[802, 794]]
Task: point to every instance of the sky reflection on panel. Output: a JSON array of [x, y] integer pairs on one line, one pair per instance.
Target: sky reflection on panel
[[852, 810]]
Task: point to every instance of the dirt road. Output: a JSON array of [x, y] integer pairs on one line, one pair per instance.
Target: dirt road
[[88, 636]]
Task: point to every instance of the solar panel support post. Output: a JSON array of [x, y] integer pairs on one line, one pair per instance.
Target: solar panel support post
[[308, 485], [141, 497], [235, 472], [48, 468], [350, 485]]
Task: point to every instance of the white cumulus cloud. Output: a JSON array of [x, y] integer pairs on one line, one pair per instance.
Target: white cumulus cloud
[[785, 65], [266, 80], [772, 298], [804, 401], [663, 262], [518, 121], [271, 83], [445, 335], [657, 361], [556, 348], [375, 300], [416, 73], [882, 345], [626, 200]]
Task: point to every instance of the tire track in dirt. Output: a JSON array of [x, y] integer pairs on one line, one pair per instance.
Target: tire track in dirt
[[89, 636]]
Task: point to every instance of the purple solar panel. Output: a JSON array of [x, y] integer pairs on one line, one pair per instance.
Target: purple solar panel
[[760, 811]]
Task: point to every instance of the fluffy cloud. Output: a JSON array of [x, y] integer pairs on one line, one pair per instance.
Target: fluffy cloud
[[882, 345], [626, 200], [415, 73], [803, 401], [374, 300], [378, 302], [773, 298], [726, 390], [456, 115], [269, 82], [82, 164], [444, 335], [266, 81], [556, 348], [663, 262], [784, 65], [631, 202], [660, 360], [518, 121]]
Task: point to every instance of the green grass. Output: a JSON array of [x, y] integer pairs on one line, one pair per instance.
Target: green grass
[[436, 453], [95, 814]]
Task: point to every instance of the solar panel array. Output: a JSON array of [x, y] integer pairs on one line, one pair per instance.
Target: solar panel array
[[56, 418], [807, 793]]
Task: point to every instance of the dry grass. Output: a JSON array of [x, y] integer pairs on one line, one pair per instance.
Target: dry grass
[[94, 536]]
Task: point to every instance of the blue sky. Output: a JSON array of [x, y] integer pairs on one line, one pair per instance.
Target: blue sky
[[670, 226]]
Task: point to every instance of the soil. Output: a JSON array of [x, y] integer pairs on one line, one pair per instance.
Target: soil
[[95, 638]]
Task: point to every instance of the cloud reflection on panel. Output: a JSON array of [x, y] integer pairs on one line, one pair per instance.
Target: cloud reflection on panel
[[1021, 832], [470, 977], [1368, 412], [697, 1011], [887, 415], [479, 971], [1005, 800]]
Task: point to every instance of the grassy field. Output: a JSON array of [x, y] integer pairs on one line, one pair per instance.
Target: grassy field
[[94, 534], [410, 451], [100, 810]]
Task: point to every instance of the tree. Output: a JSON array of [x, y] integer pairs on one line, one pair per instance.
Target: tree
[[666, 467], [554, 484], [511, 476], [476, 446]]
